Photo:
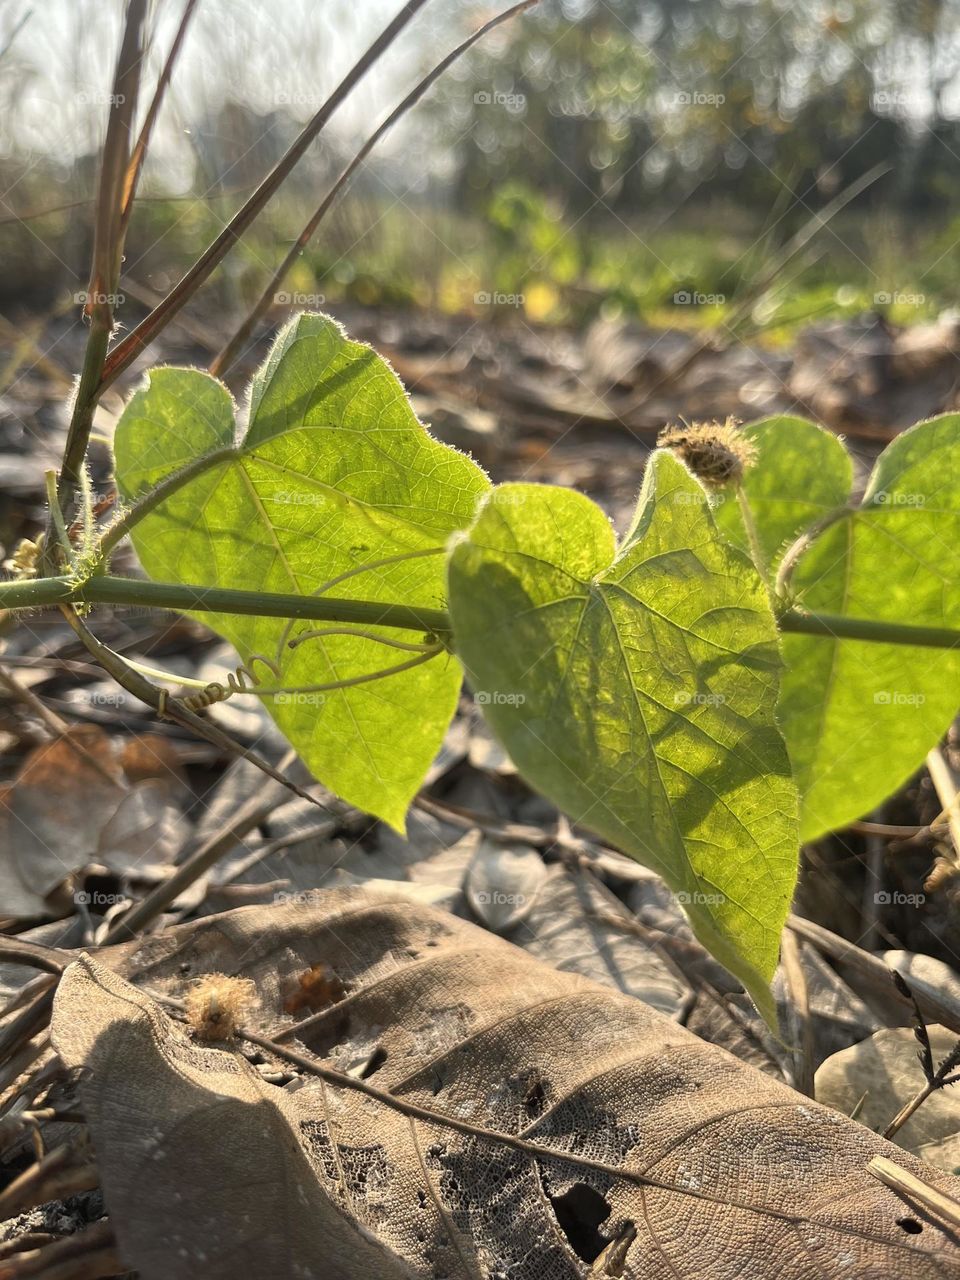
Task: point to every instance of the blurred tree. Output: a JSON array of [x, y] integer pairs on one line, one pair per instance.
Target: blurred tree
[[626, 101]]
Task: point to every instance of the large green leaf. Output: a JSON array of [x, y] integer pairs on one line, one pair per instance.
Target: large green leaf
[[860, 717], [636, 688], [333, 471]]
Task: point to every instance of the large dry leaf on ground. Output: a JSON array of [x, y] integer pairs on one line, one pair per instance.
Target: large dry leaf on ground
[[621, 1128]]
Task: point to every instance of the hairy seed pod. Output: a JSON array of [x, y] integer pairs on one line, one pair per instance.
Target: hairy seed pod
[[715, 452], [216, 1005]]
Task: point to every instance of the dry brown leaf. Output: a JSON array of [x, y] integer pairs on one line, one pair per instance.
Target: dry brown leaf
[[611, 1120], [71, 805]]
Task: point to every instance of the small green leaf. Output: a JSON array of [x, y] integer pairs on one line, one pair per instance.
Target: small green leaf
[[333, 472], [860, 717], [636, 688]]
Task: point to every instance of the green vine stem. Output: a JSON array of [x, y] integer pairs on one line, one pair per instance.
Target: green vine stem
[[796, 550], [40, 592], [36, 593]]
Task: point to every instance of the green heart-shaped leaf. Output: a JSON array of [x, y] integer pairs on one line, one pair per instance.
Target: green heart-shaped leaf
[[859, 717], [635, 686], [332, 472]]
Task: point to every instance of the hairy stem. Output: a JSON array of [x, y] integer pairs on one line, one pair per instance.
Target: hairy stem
[[806, 539]]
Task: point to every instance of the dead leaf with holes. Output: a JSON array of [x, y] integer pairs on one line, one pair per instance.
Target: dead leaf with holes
[[499, 1118]]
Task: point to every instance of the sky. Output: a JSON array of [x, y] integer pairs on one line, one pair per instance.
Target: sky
[[55, 76]]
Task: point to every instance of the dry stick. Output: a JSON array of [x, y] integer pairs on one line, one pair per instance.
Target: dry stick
[[86, 1255], [55, 1177], [939, 1007], [796, 982], [135, 165], [228, 355], [948, 793], [107, 255], [127, 351], [899, 1179]]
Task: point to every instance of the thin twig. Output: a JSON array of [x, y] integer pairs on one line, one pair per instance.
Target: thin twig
[[225, 359], [135, 165], [908, 1184], [130, 347]]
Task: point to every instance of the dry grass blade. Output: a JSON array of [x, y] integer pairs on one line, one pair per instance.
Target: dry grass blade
[[228, 355], [135, 165], [145, 333], [58, 1175], [107, 248], [88, 1255]]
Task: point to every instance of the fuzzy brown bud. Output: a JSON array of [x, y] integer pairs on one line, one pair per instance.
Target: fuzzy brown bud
[[716, 452]]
